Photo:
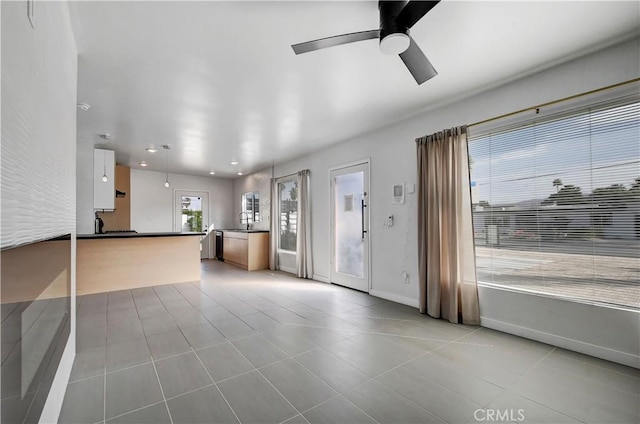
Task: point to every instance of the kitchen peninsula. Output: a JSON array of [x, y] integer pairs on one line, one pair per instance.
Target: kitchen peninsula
[[122, 261]]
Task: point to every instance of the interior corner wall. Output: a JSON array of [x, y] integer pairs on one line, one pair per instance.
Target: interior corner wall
[[392, 155], [38, 190], [152, 204]]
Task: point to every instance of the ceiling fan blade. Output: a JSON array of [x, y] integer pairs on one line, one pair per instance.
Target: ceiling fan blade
[[417, 63], [336, 40], [414, 11]]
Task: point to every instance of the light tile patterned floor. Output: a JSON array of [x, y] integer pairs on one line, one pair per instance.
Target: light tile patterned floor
[[264, 347]]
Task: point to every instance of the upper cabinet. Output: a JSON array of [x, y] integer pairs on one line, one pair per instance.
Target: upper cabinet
[[103, 179]]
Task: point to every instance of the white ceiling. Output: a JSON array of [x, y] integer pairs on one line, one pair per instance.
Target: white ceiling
[[218, 81]]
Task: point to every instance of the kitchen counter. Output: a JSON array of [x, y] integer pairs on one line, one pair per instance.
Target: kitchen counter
[[124, 261], [134, 235], [243, 231]]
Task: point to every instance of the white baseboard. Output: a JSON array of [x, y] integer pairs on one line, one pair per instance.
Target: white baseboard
[[321, 278], [563, 342], [395, 298]]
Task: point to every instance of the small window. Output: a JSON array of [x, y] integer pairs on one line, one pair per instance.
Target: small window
[[250, 208]]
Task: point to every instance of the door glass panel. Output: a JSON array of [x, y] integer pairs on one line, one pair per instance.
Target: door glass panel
[[191, 212], [349, 243], [288, 214]]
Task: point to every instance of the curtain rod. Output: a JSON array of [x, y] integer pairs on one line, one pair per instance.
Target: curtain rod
[[575, 96], [285, 176]]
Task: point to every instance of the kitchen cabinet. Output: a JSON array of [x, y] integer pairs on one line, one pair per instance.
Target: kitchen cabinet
[[247, 249], [120, 218], [103, 191]]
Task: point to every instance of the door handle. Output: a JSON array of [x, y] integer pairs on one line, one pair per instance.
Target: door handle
[[363, 205]]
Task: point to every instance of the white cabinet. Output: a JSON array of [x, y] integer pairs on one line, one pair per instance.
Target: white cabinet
[[104, 192]]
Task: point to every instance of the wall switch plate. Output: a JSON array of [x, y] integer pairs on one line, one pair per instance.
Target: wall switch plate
[[411, 188]]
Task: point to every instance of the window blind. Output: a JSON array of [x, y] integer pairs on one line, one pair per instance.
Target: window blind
[[556, 205]]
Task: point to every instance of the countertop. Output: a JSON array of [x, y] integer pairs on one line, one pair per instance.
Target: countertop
[[236, 230], [133, 235]]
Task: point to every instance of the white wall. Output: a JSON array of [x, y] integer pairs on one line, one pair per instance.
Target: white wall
[[393, 160], [152, 205], [38, 124], [609, 333], [84, 187], [38, 191]]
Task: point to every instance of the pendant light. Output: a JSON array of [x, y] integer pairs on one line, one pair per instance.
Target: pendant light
[[104, 169], [166, 180]]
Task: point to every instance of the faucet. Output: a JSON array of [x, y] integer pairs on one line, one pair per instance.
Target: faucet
[[246, 216]]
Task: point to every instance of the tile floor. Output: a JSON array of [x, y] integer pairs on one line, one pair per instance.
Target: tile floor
[[263, 347]]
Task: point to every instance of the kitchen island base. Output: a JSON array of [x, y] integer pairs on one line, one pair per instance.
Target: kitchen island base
[[106, 264]]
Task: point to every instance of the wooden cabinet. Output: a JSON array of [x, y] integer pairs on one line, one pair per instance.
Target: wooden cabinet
[[247, 250], [120, 218]]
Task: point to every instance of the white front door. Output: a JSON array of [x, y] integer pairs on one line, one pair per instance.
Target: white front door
[[349, 226], [192, 215]]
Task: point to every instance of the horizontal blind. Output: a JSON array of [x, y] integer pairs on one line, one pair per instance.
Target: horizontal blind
[[556, 205]]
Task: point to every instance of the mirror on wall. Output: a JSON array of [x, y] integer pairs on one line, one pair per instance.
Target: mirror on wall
[[250, 208]]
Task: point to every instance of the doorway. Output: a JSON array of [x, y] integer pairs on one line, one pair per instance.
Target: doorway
[[349, 226], [192, 215]]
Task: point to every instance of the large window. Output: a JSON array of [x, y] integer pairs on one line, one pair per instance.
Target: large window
[[556, 205], [288, 205]]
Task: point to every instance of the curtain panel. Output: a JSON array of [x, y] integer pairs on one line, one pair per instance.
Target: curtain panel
[[446, 252], [304, 257]]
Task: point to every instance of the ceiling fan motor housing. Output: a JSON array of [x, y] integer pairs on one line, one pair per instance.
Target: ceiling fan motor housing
[[389, 11]]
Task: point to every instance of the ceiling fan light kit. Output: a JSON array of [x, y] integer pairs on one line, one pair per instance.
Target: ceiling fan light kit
[[394, 43], [396, 18]]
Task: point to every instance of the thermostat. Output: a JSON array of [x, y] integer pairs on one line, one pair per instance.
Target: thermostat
[[398, 194]]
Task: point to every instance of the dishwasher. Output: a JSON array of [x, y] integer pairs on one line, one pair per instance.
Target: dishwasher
[[220, 246]]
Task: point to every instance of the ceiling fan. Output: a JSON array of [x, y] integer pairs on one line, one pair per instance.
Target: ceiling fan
[[396, 17]]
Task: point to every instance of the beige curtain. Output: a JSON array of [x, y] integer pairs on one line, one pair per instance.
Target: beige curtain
[[304, 262], [446, 256], [275, 230]]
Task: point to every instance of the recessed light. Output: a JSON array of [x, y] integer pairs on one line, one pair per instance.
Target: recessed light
[[151, 149], [84, 106], [234, 162], [212, 172], [239, 172], [143, 163]]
